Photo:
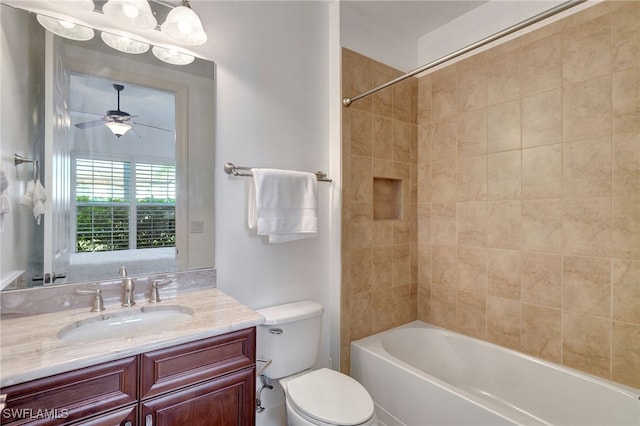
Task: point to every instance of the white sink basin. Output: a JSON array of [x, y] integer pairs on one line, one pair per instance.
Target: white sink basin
[[123, 324]]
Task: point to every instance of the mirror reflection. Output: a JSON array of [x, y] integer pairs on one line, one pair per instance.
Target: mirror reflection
[[114, 135]]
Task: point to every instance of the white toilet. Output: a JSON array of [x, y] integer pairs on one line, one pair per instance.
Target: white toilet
[[290, 338]]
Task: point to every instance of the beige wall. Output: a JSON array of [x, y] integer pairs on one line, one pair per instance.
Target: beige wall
[[528, 197]]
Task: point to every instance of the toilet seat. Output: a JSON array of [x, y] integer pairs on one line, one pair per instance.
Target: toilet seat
[[328, 397]]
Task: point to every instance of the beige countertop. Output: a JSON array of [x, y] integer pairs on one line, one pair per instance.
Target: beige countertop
[[30, 347]]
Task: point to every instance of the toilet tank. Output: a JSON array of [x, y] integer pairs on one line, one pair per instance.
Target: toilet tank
[[289, 337]]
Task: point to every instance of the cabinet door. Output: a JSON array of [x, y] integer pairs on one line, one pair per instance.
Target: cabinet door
[[227, 401], [73, 396]]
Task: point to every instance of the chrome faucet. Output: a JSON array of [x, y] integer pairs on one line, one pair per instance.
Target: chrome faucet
[[127, 288]]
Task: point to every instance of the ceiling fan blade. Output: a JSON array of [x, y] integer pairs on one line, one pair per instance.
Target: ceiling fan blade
[[150, 126], [84, 114], [135, 133], [88, 124]]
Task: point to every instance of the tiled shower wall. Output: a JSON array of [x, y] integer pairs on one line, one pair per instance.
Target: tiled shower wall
[[528, 197], [379, 227]]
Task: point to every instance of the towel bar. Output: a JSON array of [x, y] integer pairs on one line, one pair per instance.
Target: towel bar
[[232, 169]]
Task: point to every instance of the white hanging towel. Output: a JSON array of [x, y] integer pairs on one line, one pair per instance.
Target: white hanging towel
[[283, 204], [39, 197]]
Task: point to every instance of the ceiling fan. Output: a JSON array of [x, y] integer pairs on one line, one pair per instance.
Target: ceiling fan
[[118, 121]]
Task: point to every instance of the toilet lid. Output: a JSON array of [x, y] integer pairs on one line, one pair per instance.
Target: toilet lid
[[331, 397]]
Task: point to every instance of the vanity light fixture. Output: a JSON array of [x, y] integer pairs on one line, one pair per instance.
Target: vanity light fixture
[[184, 26], [118, 128], [66, 29], [136, 13], [171, 56], [124, 44]]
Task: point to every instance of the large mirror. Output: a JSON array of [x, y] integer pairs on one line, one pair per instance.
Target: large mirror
[[139, 196]]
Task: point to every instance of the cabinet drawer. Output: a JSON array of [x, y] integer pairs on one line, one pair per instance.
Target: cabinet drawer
[[127, 416], [72, 396], [167, 369]]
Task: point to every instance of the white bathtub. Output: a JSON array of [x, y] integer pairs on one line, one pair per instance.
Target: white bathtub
[[419, 374]]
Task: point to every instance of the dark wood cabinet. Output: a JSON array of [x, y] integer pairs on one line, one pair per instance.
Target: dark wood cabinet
[[207, 382]]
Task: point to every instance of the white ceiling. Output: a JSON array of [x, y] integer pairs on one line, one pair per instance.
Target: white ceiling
[[411, 19]]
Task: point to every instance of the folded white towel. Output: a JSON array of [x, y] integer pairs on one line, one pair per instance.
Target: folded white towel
[[27, 199], [283, 204], [39, 197]]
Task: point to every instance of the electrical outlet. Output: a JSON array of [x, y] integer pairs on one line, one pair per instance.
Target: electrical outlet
[[197, 227]]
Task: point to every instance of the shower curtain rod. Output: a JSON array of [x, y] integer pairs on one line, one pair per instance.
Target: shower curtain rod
[[517, 27]]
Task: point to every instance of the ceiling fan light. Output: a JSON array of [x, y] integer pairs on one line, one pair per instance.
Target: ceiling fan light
[[65, 28], [118, 128], [172, 56], [131, 12], [124, 44], [184, 26]]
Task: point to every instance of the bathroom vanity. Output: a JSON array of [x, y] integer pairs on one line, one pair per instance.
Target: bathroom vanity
[[200, 371]]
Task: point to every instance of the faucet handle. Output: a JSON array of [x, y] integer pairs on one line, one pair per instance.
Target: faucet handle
[[98, 302], [154, 297], [122, 271]]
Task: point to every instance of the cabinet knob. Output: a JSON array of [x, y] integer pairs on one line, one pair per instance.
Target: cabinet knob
[[148, 421]]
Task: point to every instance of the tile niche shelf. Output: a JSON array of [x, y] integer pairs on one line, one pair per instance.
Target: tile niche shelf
[[387, 199]]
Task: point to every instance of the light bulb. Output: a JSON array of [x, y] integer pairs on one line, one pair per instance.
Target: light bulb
[[130, 10], [66, 24]]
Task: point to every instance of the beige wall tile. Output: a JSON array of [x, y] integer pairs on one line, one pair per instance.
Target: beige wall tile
[[542, 279], [401, 265], [504, 224], [361, 233], [541, 332], [361, 132], [587, 285], [472, 269], [586, 50], [542, 225], [424, 143], [503, 75], [443, 140], [542, 119], [360, 309], [361, 270], [504, 127], [443, 307], [443, 181], [403, 304], [626, 227], [382, 258], [424, 182], [444, 266], [504, 319], [424, 223], [443, 224], [626, 354], [424, 265], [625, 34], [424, 98], [504, 273], [586, 343], [504, 171], [382, 232], [472, 223], [586, 226], [471, 314], [586, 109], [382, 136], [402, 135], [361, 179], [472, 178], [472, 83], [443, 94], [626, 290], [626, 101], [542, 64], [405, 100], [542, 172], [382, 309], [626, 164], [587, 168], [472, 133]]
